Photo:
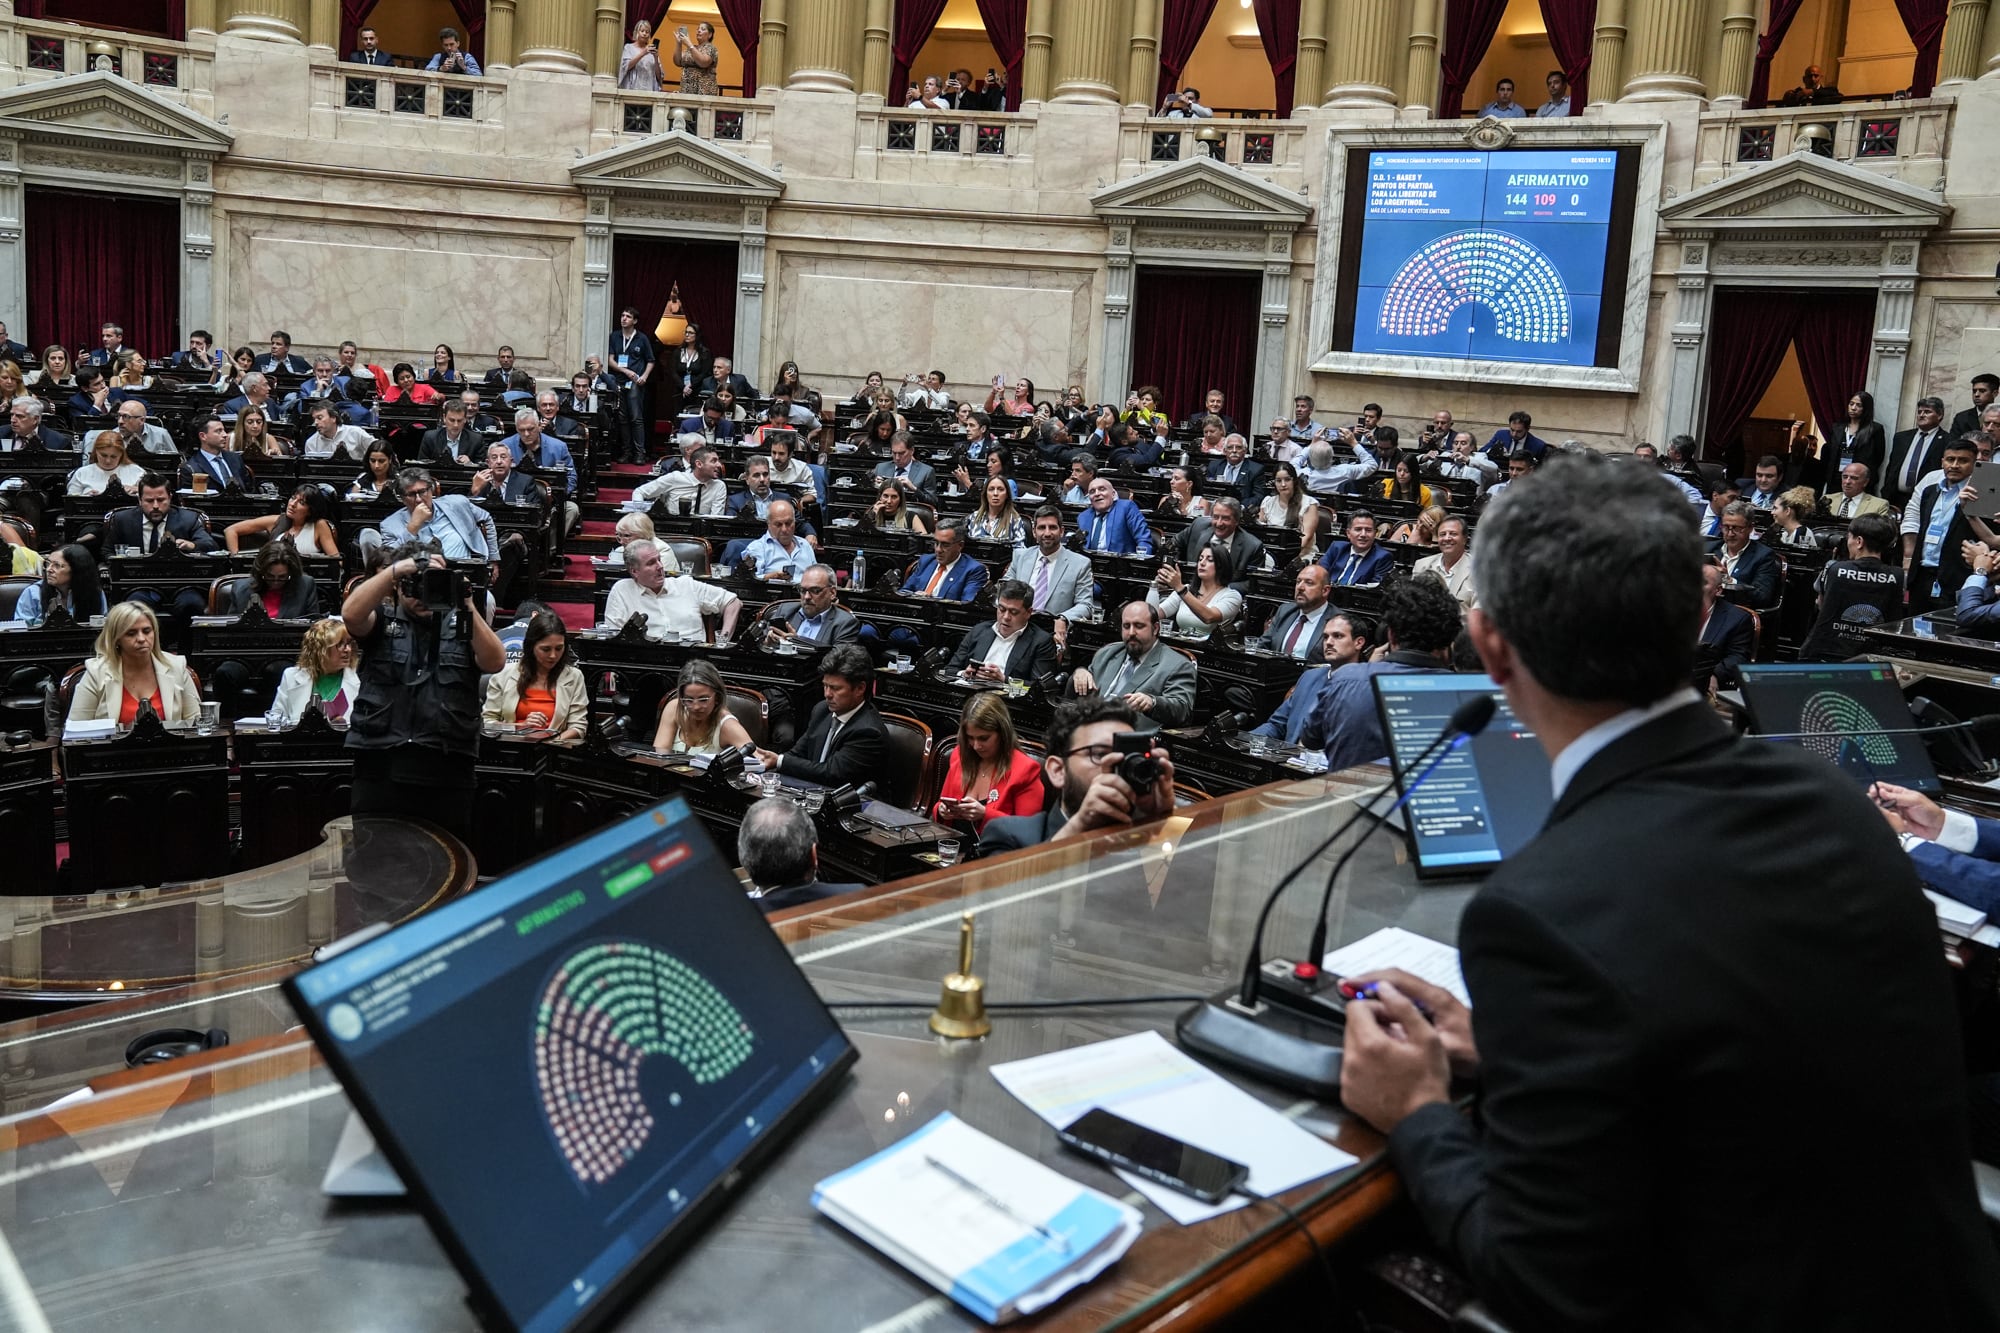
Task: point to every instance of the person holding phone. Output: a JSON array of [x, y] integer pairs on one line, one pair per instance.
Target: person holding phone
[[639, 64], [696, 57]]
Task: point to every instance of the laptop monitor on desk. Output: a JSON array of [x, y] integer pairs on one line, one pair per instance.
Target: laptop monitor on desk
[[572, 1068], [1840, 711]]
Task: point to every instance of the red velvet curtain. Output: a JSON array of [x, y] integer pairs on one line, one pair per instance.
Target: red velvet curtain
[[1572, 26], [1469, 26], [98, 258], [1007, 28], [911, 28], [1278, 29], [1835, 331], [1196, 331], [652, 11], [744, 19], [353, 13], [1924, 20], [1782, 14], [472, 24], [1749, 333], [644, 270], [161, 18], [1181, 25]]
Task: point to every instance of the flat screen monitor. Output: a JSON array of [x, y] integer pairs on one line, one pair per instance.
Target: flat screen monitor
[[1516, 255], [1488, 798], [1838, 712], [572, 1067]]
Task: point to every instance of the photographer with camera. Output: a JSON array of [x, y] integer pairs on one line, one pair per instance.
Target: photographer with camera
[[1185, 105], [415, 724], [1106, 773], [451, 59]]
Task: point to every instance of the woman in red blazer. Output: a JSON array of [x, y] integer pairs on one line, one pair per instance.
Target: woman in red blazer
[[989, 774]]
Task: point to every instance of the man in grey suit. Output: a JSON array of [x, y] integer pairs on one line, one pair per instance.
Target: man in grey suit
[[1082, 766], [1061, 579], [1147, 676], [818, 621], [1223, 524], [904, 465]]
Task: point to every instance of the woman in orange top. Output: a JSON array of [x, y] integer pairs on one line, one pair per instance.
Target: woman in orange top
[[544, 694], [989, 774]]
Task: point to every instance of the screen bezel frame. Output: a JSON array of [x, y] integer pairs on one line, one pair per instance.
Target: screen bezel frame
[[1779, 670], [618, 1293]]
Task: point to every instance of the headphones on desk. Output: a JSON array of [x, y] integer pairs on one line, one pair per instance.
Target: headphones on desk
[[164, 1044]]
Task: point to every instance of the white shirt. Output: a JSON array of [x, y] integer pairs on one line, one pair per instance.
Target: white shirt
[[917, 396], [91, 479], [711, 498], [1585, 747], [676, 608], [1003, 645], [351, 438], [1457, 578]]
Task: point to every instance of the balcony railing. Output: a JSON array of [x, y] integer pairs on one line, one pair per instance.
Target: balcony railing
[[348, 98], [740, 124], [1905, 139], [1273, 149], [179, 71]]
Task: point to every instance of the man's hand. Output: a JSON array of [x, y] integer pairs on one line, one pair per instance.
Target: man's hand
[[1395, 1062], [1061, 633], [1082, 681], [981, 671], [1110, 800], [184, 543], [769, 759], [481, 480], [421, 515], [1452, 1020], [1913, 810], [1142, 702]]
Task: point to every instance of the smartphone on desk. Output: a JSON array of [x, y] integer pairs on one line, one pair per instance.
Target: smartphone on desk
[[1116, 1141]]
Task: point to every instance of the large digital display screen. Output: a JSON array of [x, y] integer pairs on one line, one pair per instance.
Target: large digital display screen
[[1514, 255]]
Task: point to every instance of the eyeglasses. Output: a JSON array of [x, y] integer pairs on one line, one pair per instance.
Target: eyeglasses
[[1096, 754]]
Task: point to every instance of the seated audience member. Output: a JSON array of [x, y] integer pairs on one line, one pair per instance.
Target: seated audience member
[[582, 398], [1520, 466], [1751, 570], [1344, 638], [1402, 484], [501, 481], [475, 417], [780, 555], [1453, 562], [112, 347], [778, 848], [1360, 559], [451, 524], [672, 604], [452, 440], [1011, 646], [534, 447], [278, 582], [329, 438], [1082, 768], [281, 358], [498, 377], [1213, 435], [1648, 456], [1236, 468], [1419, 531], [1420, 619], [1294, 630], [69, 580], [1861, 590], [94, 396], [405, 387], [894, 511], [903, 465], [696, 489], [377, 477], [323, 386], [1305, 432], [805, 480], [988, 775], [451, 58], [630, 528], [1852, 500], [877, 436], [519, 393], [214, 459], [19, 554], [252, 440], [1083, 471], [1183, 497], [1720, 496], [754, 500], [1112, 523], [26, 431], [817, 620], [108, 464], [696, 718], [544, 692], [1727, 636], [1326, 477], [1060, 580], [139, 436], [1978, 612], [548, 406], [1141, 672], [323, 675], [1013, 400], [1503, 104], [55, 372], [254, 391], [1789, 513], [710, 423], [1288, 506], [1762, 491], [1211, 605], [1224, 524], [130, 375], [928, 393], [948, 573], [1284, 448], [844, 740], [131, 671], [157, 523], [1516, 439], [1212, 404], [722, 376], [995, 519]]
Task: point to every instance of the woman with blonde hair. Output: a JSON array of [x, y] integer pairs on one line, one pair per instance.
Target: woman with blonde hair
[[1419, 531], [639, 62], [1788, 519], [697, 719], [324, 674], [989, 775], [252, 439], [56, 372], [130, 671], [12, 383], [132, 373], [108, 463], [544, 693]]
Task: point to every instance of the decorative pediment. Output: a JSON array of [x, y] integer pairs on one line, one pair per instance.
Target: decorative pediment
[[1200, 190], [677, 164], [102, 110], [1806, 192]]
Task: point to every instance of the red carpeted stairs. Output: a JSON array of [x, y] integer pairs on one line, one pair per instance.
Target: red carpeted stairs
[[572, 594]]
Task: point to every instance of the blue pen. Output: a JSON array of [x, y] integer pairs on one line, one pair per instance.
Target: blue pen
[[1368, 992]]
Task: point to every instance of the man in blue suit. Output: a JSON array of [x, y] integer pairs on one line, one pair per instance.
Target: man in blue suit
[[1728, 634], [1342, 641], [280, 357], [211, 456], [112, 351], [199, 356], [1978, 611], [949, 574], [1751, 568], [1359, 559], [1237, 469], [1516, 439], [528, 438], [1113, 524], [1955, 853]]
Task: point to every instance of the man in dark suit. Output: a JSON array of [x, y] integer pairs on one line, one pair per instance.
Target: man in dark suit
[[370, 51], [1082, 766], [1224, 524], [548, 406], [1012, 647], [25, 428], [1516, 440], [1985, 388], [1360, 559], [9, 349], [1751, 571], [157, 524], [778, 849], [818, 620], [721, 374], [1236, 468], [844, 740], [1295, 627], [498, 377], [948, 573], [1728, 633], [212, 457], [1916, 453], [452, 441], [1668, 1042], [281, 357], [111, 349]]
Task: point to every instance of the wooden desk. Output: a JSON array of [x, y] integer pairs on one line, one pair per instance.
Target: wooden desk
[[149, 807], [1923, 639], [28, 818]]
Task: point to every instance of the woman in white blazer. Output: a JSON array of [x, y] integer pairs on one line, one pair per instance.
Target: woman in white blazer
[[325, 672], [130, 670], [544, 692]]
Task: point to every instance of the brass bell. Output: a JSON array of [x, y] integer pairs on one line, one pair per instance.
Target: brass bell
[[961, 1010]]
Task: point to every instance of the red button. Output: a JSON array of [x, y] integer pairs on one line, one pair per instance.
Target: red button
[[1305, 971]]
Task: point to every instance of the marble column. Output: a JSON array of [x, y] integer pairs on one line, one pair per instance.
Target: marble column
[[270, 20], [13, 252], [1687, 378], [1114, 373], [1035, 56], [877, 58], [750, 248], [552, 35], [1607, 52], [608, 39], [597, 320], [1964, 31], [1142, 68], [499, 35], [200, 17], [1270, 392], [197, 243], [1664, 63], [1089, 52], [1739, 51], [772, 28], [826, 46], [1420, 80], [1832, 41], [323, 24], [1309, 75], [1895, 303], [1361, 53]]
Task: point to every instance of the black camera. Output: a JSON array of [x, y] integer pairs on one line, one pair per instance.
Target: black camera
[[1136, 763], [438, 589]]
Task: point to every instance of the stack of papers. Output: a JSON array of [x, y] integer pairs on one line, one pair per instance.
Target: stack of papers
[[1955, 916], [1396, 947], [995, 1230]]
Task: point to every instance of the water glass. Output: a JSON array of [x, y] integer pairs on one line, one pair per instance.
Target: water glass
[[768, 784], [208, 718], [947, 851], [815, 800]]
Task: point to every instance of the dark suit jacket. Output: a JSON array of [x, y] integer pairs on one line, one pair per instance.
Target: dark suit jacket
[[857, 755], [1889, 487], [222, 469], [293, 364], [1032, 656], [1281, 626], [47, 437], [1249, 477], [435, 449], [839, 625], [375, 57], [777, 900], [1871, 446], [1649, 1154], [1726, 642], [1756, 571], [1246, 551], [706, 385], [301, 599], [127, 528], [1964, 423], [1010, 833], [1375, 567]]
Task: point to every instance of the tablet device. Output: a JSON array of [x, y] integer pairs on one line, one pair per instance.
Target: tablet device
[[1986, 478], [573, 1068], [1841, 712]]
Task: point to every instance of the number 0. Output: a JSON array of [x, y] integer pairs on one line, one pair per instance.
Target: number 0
[[1574, 200]]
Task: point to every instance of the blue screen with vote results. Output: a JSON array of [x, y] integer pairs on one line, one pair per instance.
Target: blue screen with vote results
[[1495, 256]]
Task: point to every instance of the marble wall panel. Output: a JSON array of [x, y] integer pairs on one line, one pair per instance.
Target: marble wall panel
[[1964, 340]]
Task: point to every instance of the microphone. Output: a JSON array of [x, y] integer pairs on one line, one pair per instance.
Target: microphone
[[1287, 1045]]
